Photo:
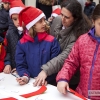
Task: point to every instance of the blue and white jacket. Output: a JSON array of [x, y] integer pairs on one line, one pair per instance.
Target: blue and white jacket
[[32, 53]]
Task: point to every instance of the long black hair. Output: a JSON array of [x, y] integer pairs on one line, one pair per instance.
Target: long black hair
[[82, 24], [96, 13]]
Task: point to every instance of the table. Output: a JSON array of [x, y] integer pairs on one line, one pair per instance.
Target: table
[[10, 88]]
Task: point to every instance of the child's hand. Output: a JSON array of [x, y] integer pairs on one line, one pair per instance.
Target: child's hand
[[40, 79], [22, 80], [62, 87], [13, 70], [50, 19], [7, 69]]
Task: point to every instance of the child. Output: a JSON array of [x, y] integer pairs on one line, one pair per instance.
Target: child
[[36, 46], [54, 14], [13, 35], [4, 14], [85, 55], [89, 7]]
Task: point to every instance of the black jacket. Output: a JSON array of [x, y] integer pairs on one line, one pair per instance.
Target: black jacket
[[88, 9], [5, 22], [12, 38], [45, 8]]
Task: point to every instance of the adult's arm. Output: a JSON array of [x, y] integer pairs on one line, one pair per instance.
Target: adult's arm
[[55, 64]]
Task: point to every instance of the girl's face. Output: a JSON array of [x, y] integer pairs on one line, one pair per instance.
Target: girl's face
[[40, 26], [67, 18], [6, 5], [15, 18], [97, 27]]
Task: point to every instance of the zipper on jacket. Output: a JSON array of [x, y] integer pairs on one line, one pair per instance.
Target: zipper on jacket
[[92, 67]]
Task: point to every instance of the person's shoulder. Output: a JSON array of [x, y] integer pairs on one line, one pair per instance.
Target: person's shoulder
[[83, 37], [11, 31], [49, 38], [56, 21]]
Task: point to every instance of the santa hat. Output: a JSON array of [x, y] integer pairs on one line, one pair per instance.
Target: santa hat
[[16, 6], [6, 1], [30, 16], [56, 12]]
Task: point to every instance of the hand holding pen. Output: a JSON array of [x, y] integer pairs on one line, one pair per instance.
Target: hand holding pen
[[63, 87], [21, 80]]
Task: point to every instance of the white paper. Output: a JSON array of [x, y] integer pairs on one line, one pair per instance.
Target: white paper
[[1, 78]]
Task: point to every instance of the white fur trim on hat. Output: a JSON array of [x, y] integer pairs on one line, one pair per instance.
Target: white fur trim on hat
[[20, 28], [29, 25], [54, 15], [15, 10]]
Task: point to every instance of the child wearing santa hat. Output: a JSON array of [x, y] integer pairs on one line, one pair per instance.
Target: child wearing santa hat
[[54, 14], [13, 35], [35, 48], [4, 23]]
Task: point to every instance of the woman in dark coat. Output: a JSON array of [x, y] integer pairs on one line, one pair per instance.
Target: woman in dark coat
[[45, 6]]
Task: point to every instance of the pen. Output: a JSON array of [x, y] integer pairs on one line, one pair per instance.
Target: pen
[[77, 94], [70, 92], [14, 75]]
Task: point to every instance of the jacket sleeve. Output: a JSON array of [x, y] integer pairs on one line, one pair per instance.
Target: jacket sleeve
[[55, 64], [71, 64], [20, 60], [55, 49], [7, 58]]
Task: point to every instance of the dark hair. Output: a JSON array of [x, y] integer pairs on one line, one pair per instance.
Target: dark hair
[[96, 13], [82, 23], [91, 0]]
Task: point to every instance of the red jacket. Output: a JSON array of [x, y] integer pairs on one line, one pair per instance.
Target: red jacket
[[84, 55], [2, 54]]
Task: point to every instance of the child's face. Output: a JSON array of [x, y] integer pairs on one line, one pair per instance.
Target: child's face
[[40, 25], [6, 5], [97, 27], [15, 18]]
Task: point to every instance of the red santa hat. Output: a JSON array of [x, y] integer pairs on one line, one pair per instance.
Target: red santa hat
[[56, 12], [30, 15], [16, 6], [6, 1]]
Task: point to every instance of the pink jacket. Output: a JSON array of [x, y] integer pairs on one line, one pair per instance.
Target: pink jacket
[[84, 55]]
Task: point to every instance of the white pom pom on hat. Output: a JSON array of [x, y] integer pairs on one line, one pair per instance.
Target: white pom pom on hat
[[20, 28]]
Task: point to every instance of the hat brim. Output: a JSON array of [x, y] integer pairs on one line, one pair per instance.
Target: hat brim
[[15, 10], [29, 25]]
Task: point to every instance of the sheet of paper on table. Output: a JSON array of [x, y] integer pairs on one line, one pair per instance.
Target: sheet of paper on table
[[10, 87]]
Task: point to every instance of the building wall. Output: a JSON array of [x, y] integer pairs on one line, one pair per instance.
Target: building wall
[[30, 2], [97, 1]]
